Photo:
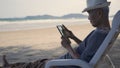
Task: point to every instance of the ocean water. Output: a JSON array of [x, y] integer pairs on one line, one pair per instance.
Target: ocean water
[[36, 24]]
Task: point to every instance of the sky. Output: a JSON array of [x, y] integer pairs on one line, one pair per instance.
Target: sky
[[22, 8]]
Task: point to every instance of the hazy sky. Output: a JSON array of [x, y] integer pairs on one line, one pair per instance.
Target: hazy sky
[[22, 8]]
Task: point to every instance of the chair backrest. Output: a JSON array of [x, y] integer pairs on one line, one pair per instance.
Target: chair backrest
[[108, 42]]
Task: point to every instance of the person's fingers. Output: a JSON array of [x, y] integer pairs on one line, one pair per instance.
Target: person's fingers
[[62, 37], [65, 27], [65, 39]]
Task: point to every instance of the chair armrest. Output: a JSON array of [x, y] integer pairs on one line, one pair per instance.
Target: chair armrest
[[67, 62]]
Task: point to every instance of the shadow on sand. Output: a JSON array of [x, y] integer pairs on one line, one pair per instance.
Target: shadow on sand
[[23, 53]]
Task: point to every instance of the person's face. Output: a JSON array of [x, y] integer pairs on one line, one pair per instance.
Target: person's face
[[94, 17]]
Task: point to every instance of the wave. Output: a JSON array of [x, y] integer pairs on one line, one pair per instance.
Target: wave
[[35, 24]]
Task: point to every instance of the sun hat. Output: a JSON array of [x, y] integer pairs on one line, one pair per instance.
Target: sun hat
[[93, 4]]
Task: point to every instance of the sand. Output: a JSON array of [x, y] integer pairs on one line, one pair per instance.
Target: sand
[[30, 45]]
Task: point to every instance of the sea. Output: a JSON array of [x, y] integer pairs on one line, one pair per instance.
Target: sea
[[37, 24]]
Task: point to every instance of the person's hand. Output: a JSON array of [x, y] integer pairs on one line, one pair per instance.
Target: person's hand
[[68, 33], [65, 42], [67, 45]]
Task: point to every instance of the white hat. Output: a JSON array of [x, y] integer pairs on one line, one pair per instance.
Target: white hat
[[93, 4]]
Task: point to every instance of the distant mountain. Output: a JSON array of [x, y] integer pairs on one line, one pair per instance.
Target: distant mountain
[[41, 17], [74, 16], [38, 17]]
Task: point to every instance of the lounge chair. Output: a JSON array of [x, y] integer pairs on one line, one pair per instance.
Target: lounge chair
[[100, 54]]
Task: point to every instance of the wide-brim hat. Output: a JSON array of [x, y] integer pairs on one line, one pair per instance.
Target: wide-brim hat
[[96, 5]]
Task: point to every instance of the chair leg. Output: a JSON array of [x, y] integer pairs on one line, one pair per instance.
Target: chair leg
[[110, 61]]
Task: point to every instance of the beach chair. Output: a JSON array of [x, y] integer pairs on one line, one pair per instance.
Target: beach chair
[[99, 55]]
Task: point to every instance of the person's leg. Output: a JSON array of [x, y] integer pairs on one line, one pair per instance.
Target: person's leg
[[66, 56]]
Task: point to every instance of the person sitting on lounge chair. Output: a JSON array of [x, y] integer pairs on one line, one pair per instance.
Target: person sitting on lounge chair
[[98, 11], [98, 15]]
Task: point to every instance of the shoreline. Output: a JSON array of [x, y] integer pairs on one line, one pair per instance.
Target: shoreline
[[38, 24]]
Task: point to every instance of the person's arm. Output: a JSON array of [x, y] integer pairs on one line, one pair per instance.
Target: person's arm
[[70, 35], [73, 53], [78, 41], [67, 45]]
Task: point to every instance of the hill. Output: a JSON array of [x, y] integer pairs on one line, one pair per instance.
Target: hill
[[39, 17]]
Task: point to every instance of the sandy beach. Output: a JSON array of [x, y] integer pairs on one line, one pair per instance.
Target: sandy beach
[[30, 45]]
